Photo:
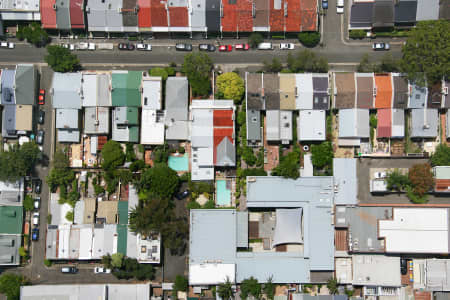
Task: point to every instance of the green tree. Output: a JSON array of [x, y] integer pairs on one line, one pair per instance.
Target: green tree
[[197, 67], [28, 203], [47, 263], [231, 86], [160, 181], [112, 156], [307, 61], [421, 179], [248, 156], [269, 288], [225, 290], [34, 34], [289, 165], [332, 285], [322, 155], [18, 161], [272, 67], [61, 59], [255, 39], [441, 156], [10, 285], [144, 272], [426, 54], [69, 216], [23, 253], [159, 72], [180, 284], [365, 65], [397, 181], [117, 260], [250, 286], [389, 64], [309, 39], [106, 261]]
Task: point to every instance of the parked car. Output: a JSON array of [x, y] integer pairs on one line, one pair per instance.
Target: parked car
[[403, 266], [381, 46], [126, 46], [35, 234], [41, 117], [35, 218], [183, 47], [243, 47], [287, 46], [41, 97], [40, 137], [325, 4], [182, 195], [37, 186], [7, 45], [207, 47], [225, 48], [379, 175], [265, 46], [37, 202], [69, 270], [340, 6], [144, 47], [101, 270]]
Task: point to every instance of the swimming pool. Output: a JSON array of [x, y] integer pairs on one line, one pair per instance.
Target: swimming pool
[[179, 163], [223, 193]]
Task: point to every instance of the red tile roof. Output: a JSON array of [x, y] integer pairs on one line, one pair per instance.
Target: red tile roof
[[178, 17], [276, 19], [48, 14], [308, 15], [244, 15], [293, 16], [219, 135], [223, 118], [384, 128], [229, 20], [383, 84], [158, 14], [144, 13], [76, 14]]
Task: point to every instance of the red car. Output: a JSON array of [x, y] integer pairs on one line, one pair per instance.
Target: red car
[[225, 48], [243, 47], [41, 97]]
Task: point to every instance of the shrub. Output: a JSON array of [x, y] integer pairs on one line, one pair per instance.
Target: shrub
[[357, 34], [255, 39], [309, 39], [47, 263]]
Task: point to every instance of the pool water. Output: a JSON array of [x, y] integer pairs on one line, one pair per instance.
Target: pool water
[[223, 194], [179, 163]]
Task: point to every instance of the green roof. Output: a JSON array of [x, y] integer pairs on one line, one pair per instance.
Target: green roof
[[132, 115], [122, 233], [11, 219], [126, 89], [133, 134], [122, 207]]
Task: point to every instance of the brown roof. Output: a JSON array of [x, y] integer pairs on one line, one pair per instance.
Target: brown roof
[[340, 239], [24, 117], [400, 92], [89, 210], [364, 98], [287, 91], [253, 229], [345, 90], [271, 91], [261, 13], [254, 90], [435, 96], [107, 210]]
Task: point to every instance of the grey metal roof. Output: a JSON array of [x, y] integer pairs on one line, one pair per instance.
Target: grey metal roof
[[225, 153], [418, 97], [311, 125], [50, 242], [424, 123], [441, 295], [198, 16], [242, 229], [96, 120], [9, 249], [405, 11], [176, 99], [68, 136], [361, 14], [383, 13], [288, 227], [25, 84], [354, 123], [11, 193], [437, 275], [213, 15], [63, 14], [9, 121], [66, 89], [253, 125], [8, 78], [345, 179], [96, 15], [67, 118], [427, 10], [321, 238], [273, 125], [398, 123], [103, 90], [114, 21]]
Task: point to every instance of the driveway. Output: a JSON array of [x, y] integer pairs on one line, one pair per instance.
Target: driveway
[[364, 195]]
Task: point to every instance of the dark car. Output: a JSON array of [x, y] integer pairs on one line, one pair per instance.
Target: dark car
[[182, 195], [40, 137], [37, 186], [126, 46], [41, 117], [70, 270], [207, 47], [183, 47], [35, 234], [324, 4], [403, 266]]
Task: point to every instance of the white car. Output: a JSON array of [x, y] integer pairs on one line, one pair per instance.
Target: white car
[[379, 175], [287, 46], [7, 45], [36, 219], [144, 47], [101, 270], [91, 46], [37, 202], [340, 7]]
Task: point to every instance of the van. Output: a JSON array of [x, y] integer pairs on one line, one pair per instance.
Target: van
[[340, 7], [70, 270], [265, 46]]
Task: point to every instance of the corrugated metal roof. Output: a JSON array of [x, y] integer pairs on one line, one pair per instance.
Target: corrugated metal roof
[[176, 99], [9, 249], [383, 13], [126, 88], [25, 82], [89, 87], [67, 118], [361, 14], [62, 14], [273, 125], [384, 122], [122, 237], [66, 89], [9, 120], [225, 153], [353, 123], [242, 229], [286, 125], [398, 123], [311, 125], [253, 125], [405, 11], [321, 99], [151, 93], [11, 220], [213, 15], [77, 14], [345, 178], [103, 89], [304, 86], [418, 96], [68, 136], [48, 14], [96, 120], [424, 123], [8, 78], [427, 10]]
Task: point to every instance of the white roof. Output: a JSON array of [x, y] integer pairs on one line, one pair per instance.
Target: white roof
[[273, 125], [344, 270], [437, 274], [304, 85], [211, 273], [286, 125], [63, 247], [377, 270], [86, 235], [152, 128], [89, 88], [311, 125], [151, 92], [416, 230], [288, 228]]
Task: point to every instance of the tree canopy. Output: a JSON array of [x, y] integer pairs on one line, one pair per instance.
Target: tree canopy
[[421, 179], [289, 165], [397, 181], [10, 285], [61, 59], [441, 156], [225, 290], [160, 181], [180, 284], [231, 86], [255, 39], [34, 34], [250, 286], [322, 154], [112, 155], [307, 61], [309, 39], [61, 174], [426, 54], [159, 72], [197, 67], [19, 161]]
